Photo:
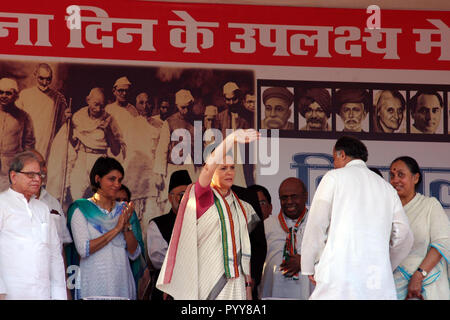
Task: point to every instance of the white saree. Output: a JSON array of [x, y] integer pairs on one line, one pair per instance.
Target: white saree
[[431, 229], [194, 266]]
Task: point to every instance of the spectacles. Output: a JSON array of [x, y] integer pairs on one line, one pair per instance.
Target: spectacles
[[45, 78], [31, 175], [7, 93]]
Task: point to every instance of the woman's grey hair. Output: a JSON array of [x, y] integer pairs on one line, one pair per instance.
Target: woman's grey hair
[[20, 160]]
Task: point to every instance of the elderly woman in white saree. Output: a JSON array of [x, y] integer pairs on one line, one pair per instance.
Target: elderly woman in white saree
[[424, 273], [209, 252]]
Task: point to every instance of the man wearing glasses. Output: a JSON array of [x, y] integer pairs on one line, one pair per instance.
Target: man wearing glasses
[[284, 233], [47, 108], [159, 229], [16, 130], [31, 264]]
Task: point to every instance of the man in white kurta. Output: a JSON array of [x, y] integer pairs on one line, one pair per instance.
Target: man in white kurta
[[94, 133], [357, 231], [47, 108], [31, 264]]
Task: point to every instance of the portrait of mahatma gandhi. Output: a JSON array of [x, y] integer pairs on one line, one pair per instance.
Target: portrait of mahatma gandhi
[[426, 108], [352, 106], [278, 108], [314, 105], [389, 111]]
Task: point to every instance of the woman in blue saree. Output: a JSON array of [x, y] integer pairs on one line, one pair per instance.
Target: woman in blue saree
[[107, 237]]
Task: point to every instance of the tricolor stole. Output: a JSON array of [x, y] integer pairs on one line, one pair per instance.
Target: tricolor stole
[[290, 247], [227, 227]]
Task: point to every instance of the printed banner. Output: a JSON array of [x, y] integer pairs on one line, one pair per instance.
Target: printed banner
[[113, 78], [228, 34]]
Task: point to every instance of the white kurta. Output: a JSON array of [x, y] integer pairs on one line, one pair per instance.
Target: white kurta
[[41, 109], [60, 220], [273, 283], [31, 264], [157, 246], [141, 139], [431, 228], [357, 233], [198, 270]]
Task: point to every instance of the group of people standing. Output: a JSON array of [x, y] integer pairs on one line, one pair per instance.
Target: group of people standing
[[362, 238]]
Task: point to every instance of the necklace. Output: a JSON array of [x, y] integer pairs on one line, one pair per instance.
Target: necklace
[[97, 198]]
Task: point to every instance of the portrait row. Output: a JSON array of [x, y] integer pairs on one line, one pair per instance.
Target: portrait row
[[310, 107]]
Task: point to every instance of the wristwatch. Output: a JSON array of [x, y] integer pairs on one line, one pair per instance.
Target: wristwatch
[[130, 228], [423, 272]]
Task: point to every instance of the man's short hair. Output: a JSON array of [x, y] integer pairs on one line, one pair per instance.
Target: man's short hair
[[352, 147], [93, 91], [309, 95], [396, 94], [302, 184], [257, 187], [351, 95], [19, 161], [415, 98], [102, 166]]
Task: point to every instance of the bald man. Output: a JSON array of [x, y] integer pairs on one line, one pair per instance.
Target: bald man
[[284, 233], [94, 133], [47, 107], [144, 105], [16, 129]]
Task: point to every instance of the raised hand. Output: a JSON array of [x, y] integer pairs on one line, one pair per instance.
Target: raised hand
[[246, 135]]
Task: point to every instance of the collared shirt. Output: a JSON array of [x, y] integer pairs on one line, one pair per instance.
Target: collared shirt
[[57, 215], [31, 264], [356, 234], [157, 246]]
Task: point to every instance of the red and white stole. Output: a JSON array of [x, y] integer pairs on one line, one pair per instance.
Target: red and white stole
[[228, 225], [290, 246]]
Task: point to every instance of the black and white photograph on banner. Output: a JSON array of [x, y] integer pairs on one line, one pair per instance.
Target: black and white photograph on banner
[[314, 109], [277, 108], [389, 111], [75, 113], [426, 108]]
